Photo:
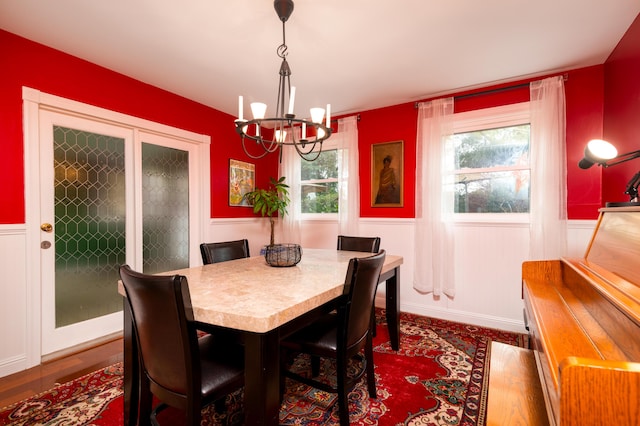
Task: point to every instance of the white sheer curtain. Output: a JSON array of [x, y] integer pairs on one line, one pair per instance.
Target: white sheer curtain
[[290, 169], [434, 247], [548, 209], [348, 176], [346, 142]]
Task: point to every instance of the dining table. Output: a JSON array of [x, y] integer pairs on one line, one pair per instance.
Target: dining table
[[262, 304]]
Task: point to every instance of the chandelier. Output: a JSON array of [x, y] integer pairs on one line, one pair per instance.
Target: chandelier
[[306, 135]]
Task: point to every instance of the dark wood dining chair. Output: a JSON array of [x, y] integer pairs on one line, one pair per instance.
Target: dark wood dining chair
[[341, 335], [223, 251], [178, 368], [368, 244]]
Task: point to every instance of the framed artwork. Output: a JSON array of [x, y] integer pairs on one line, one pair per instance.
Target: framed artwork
[[387, 174], [242, 179]]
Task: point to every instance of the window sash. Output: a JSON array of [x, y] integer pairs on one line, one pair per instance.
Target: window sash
[[328, 145], [487, 119]]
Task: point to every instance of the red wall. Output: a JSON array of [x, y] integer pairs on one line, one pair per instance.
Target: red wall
[[584, 92], [584, 97], [622, 110], [24, 63], [381, 125]]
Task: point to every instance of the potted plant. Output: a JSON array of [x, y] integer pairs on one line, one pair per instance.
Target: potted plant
[[269, 202]]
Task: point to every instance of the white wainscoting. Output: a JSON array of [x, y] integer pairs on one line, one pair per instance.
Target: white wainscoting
[[13, 304], [489, 255], [487, 283]]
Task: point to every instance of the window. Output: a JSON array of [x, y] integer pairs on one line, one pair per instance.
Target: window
[[319, 183], [490, 160]]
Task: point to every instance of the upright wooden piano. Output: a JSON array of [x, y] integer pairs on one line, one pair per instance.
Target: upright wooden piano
[[583, 317]]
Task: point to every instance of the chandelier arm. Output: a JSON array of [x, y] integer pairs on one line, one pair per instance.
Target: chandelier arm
[[307, 156], [314, 158], [312, 147], [269, 146], [255, 157]]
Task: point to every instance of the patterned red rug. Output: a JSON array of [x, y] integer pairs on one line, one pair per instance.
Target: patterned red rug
[[439, 377]]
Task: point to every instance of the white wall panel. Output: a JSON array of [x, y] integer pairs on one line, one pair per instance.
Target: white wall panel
[[13, 303], [488, 280], [489, 258], [256, 230]]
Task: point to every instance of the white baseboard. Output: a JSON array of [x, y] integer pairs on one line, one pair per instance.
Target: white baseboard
[[13, 365], [506, 324]]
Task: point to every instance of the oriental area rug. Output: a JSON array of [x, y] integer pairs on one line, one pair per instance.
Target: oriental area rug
[[439, 377]]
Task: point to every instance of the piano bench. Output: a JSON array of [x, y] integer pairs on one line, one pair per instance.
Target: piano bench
[[515, 393]]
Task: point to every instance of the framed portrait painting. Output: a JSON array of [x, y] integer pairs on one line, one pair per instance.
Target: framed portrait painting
[[242, 179], [387, 174]]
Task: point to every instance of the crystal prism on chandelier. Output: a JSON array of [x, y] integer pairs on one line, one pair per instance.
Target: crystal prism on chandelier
[[306, 135]]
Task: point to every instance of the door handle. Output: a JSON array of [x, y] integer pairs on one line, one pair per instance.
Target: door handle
[[46, 227]]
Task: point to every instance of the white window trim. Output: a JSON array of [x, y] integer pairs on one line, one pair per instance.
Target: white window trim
[[489, 118]]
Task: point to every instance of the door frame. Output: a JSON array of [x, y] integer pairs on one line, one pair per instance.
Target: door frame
[[33, 102]]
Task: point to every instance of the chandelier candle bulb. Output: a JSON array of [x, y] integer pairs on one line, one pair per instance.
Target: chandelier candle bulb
[[259, 110], [317, 114], [240, 108], [281, 135], [329, 116], [304, 130], [292, 97]]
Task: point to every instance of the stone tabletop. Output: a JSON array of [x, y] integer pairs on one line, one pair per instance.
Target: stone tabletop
[[247, 294]]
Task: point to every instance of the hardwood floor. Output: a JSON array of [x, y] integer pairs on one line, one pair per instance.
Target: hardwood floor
[[33, 381]]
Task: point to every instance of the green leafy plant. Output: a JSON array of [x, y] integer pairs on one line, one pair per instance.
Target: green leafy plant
[[270, 201]]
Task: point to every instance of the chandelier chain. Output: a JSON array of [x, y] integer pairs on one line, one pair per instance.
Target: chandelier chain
[[282, 49]]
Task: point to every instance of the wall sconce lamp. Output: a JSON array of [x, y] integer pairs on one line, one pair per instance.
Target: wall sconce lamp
[[604, 154]]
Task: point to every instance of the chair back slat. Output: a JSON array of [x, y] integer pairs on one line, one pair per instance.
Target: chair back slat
[[224, 251], [366, 244]]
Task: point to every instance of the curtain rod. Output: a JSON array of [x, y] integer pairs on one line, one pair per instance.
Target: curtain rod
[[492, 91], [565, 77]]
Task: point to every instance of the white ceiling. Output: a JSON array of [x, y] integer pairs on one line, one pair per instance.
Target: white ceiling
[[355, 54]]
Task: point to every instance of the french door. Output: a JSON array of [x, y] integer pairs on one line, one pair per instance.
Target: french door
[[109, 194]]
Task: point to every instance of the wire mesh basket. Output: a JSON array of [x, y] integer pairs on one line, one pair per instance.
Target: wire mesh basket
[[283, 254]]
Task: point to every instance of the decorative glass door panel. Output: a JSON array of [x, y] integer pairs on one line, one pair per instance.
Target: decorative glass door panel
[[165, 208], [89, 206]]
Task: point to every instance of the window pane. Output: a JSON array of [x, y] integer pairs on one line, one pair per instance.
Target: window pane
[[325, 167], [506, 146], [319, 183], [492, 170], [493, 192], [320, 197]]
